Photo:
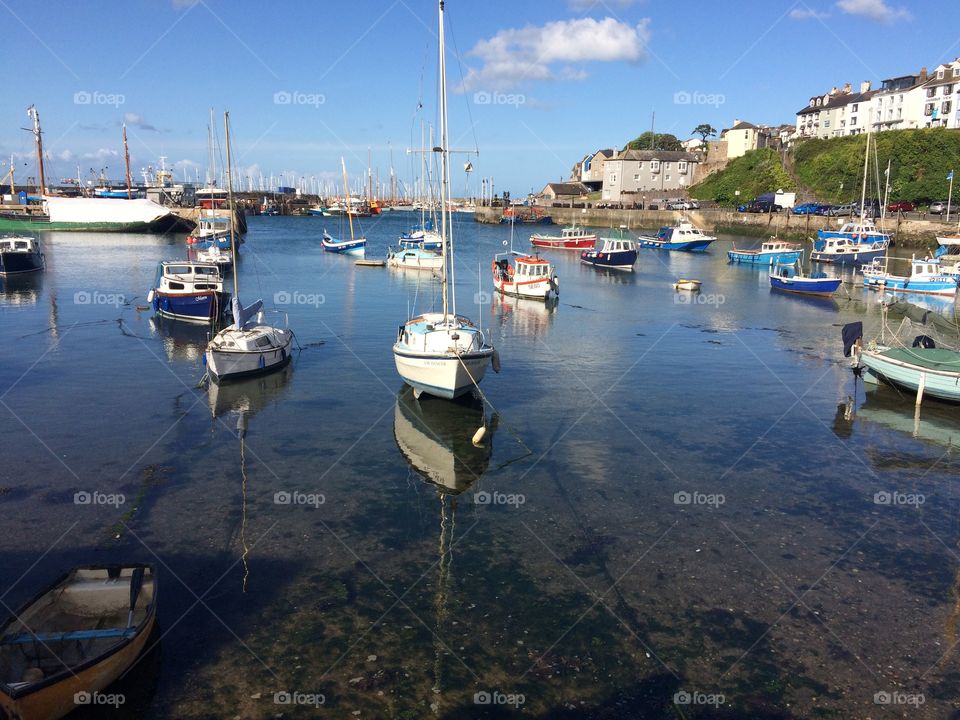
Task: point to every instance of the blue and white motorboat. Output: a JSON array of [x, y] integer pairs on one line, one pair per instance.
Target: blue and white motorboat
[[424, 239], [211, 230], [861, 231], [792, 279], [771, 252], [684, 236], [616, 253], [20, 255], [926, 277], [354, 246], [844, 251], [188, 291]]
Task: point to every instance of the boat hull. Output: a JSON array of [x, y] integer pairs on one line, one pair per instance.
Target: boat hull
[[442, 375], [769, 259], [621, 260], [822, 287], [15, 263], [850, 258], [942, 384], [356, 248], [688, 246], [945, 288], [197, 307], [584, 243], [225, 366], [536, 290]]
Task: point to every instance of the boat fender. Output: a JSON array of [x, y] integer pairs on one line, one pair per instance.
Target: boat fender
[[496, 360], [262, 363], [150, 296], [479, 435]]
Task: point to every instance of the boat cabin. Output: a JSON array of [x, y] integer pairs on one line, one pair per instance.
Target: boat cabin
[[18, 245], [778, 246], [616, 245], [574, 233], [189, 277]]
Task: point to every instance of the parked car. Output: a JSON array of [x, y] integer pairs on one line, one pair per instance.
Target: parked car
[[694, 205], [678, 205], [824, 209], [809, 208], [901, 206], [845, 209], [762, 206], [937, 208]]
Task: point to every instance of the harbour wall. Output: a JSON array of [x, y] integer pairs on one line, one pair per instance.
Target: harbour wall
[[786, 225]]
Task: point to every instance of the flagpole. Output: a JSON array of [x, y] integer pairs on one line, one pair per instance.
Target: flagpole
[[949, 194]]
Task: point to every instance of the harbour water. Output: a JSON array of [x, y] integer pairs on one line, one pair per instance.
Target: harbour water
[[684, 506]]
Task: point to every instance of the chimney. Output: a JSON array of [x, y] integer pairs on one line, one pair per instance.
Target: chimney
[[833, 90], [865, 86], [846, 88], [736, 121], [923, 74]]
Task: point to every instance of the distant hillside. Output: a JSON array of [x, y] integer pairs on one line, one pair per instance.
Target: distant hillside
[[833, 169], [757, 172], [919, 163]]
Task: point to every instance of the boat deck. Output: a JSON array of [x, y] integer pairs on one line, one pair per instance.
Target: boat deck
[[940, 359]]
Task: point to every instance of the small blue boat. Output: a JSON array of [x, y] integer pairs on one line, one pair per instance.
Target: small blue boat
[[188, 291], [616, 253], [926, 277], [684, 237], [772, 252], [792, 279], [354, 246], [861, 231]]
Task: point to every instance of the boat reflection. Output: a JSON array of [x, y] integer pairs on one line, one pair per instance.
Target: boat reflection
[[436, 439], [181, 340], [523, 316], [22, 289], [608, 276]]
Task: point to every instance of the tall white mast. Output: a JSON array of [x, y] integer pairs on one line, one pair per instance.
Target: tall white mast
[[447, 239]]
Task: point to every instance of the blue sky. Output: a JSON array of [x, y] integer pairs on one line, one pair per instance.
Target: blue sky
[[538, 84]]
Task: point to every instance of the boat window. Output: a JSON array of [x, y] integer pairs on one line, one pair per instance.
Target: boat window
[[175, 286], [21, 245], [204, 286], [178, 270], [263, 341]]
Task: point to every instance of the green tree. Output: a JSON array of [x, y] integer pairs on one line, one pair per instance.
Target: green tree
[[660, 141], [704, 130]]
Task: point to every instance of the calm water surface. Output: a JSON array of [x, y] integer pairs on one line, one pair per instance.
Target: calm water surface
[[674, 501]]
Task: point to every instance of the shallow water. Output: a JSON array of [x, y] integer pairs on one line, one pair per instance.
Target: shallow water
[[676, 493]]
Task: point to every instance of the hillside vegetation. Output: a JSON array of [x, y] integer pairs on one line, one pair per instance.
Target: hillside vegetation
[[833, 169], [919, 163], [757, 172]]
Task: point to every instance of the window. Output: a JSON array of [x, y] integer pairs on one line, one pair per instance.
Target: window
[[636, 177], [948, 89], [945, 108], [639, 166], [928, 109], [853, 121], [854, 108], [931, 92], [956, 72], [176, 286], [654, 166], [826, 123], [899, 113], [682, 166], [666, 166], [939, 74], [613, 177], [668, 178]]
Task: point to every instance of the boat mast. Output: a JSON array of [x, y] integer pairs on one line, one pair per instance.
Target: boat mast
[[346, 186], [126, 160], [863, 190], [32, 113], [233, 242], [443, 149]]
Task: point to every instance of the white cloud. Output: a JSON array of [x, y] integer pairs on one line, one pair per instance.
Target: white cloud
[[877, 10], [807, 13], [514, 56], [101, 154], [137, 120], [65, 155]]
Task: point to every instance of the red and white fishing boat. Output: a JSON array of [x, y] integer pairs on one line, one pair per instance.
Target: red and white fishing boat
[[528, 276], [571, 238]]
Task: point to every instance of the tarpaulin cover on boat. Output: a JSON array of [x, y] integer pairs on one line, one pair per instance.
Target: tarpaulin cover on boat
[[923, 316], [851, 333], [242, 315]]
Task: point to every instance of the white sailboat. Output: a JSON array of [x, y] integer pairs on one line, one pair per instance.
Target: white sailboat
[[249, 346], [443, 353]]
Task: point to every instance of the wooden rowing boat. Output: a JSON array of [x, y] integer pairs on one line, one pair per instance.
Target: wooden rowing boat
[[74, 639]]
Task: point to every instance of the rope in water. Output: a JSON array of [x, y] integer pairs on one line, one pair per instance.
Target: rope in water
[[486, 400]]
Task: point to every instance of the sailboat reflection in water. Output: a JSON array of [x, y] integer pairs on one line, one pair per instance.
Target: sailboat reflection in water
[[437, 440], [244, 399]]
